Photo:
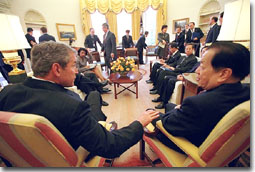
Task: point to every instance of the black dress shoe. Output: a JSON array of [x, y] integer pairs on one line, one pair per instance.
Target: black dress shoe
[[106, 90], [160, 106], [149, 81], [104, 103], [154, 92], [104, 83], [158, 99], [154, 88], [114, 125]]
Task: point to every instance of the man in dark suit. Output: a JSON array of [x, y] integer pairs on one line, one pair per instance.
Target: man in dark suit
[[197, 34], [184, 64], [91, 40], [30, 40], [213, 32], [175, 55], [140, 45], [222, 68], [44, 94], [179, 39], [45, 36], [127, 41], [187, 34], [109, 46]]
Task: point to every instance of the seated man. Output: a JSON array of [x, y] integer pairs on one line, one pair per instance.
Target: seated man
[[222, 68], [184, 64], [174, 57], [169, 85], [54, 68]]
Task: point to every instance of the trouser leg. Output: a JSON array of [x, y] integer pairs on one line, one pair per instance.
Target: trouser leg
[[169, 88]]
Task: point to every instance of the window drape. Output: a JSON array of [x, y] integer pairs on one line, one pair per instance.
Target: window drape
[[111, 19]]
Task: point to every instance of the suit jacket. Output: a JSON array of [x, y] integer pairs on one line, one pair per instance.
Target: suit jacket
[[91, 42], [197, 33], [127, 43], [199, 114], [212, 34], [70, 116], [179, 39], [141, 43], [109, 45], [46, 37], [184, 64], [187, 36], [173, 58]]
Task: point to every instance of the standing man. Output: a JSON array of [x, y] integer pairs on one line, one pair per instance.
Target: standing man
[[197, 34], [220, 21], [127, 41], [163, 39], [213, 32], [45, 36], [30, 40], [179, 39], [187, 34], [109, 46], [91, 40], [141, 45]]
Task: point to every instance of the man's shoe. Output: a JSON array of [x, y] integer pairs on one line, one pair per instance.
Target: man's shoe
[[104, 83], [114, 125], [106, 90], [104, 103], [149, 81], [158, 99], [154, 88], [154, 92], [160, 106]]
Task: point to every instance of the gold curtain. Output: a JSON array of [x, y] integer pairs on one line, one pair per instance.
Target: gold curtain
[[116, 6], [111, 18], [136, 24], [103, 6], [143, 5], [156, 3], [86, 21], [130, 5], [161, 18]]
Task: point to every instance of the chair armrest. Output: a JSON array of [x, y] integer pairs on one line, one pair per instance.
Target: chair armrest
[[82, 155], [183, 144], [150, 130]]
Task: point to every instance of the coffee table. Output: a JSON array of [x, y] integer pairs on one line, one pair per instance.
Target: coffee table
[[132, 78]]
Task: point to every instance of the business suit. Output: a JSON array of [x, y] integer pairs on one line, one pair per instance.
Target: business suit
[[196, 33], [187, 35], [71, 117], [212, 34], [29, 39], [109, 46], [183, 65], [46, 37], [162, 52], [127, 42], [91, 42], [175, 57], [140, 46], [199, 114], [179, 39]]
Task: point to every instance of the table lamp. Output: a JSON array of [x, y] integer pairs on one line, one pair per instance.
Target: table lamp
[[12, 39], [236, 23]]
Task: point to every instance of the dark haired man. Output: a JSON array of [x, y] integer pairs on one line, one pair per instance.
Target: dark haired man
[[163, 39], [141, 45], [196, 35], [127, 41], [179, 39], [222, 68], [213, 32], [45, 36], [30, 40], [91, 40]]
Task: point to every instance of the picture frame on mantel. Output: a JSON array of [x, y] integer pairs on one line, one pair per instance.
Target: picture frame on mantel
[[66, 31], [179, 22]]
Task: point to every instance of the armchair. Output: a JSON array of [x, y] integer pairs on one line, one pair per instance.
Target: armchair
[[229, 139], [132, 53], [28, 140]]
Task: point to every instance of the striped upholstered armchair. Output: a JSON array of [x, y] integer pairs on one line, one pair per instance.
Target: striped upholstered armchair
[[28, 140], [229, 139]]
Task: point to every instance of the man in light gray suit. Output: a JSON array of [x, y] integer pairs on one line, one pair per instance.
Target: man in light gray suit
[[109, 45]]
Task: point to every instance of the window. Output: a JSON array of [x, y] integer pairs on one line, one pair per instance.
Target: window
[[124, 22], [149, 24], [97, 19]]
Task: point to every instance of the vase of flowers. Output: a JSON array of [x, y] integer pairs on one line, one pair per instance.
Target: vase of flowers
[[123, 66]]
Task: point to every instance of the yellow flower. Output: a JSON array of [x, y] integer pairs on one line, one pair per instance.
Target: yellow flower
[[117, 69], [128, 58], [128, 69], [112, 67], [127, 63], [133, 69]]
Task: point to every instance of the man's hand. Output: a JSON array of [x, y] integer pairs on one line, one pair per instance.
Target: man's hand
[[180, 78], [161, 61], [177, 107], [147, 117], [195, 39], [169, 67], [112, 55]]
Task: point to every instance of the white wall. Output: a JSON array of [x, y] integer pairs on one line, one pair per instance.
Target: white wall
[[54, 11], [178, 9]]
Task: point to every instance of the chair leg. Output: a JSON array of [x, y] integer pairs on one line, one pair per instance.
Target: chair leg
[[142, 149]]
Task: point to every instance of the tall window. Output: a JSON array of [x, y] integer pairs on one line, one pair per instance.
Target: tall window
[[124, 22], [97, 20], [149, 24]]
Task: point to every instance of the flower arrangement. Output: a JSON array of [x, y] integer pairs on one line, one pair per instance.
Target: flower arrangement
[[123, 65]]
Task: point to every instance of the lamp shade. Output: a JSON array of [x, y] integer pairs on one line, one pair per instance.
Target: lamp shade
[[236, 22], [12, 36]]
